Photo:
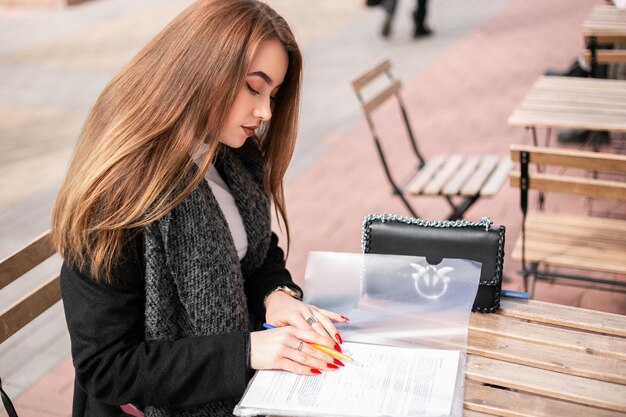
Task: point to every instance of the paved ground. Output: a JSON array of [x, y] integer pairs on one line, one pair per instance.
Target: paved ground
[[460, 87]]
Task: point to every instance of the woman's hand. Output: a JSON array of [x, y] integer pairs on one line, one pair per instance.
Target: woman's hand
[[286, 348], [283, 310]]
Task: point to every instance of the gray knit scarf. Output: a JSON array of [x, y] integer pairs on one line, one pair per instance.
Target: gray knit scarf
[[194, 279]]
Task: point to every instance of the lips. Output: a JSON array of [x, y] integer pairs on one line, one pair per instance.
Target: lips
[[249, 130]]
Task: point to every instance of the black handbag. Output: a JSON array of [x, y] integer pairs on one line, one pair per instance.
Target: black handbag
[[477, 241]]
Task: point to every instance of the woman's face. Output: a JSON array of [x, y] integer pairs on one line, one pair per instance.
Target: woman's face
[[252, 104]]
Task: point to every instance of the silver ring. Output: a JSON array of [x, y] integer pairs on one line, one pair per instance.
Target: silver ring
[[311, 320], [301, 345]]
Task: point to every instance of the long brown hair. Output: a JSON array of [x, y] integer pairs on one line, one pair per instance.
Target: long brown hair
[[131, 164]]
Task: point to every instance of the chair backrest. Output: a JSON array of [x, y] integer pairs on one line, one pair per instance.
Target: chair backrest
[[373, 88], [605, 56], [37, 300], [590, 186]]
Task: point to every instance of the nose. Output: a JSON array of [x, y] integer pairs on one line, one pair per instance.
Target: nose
[[263, 110]]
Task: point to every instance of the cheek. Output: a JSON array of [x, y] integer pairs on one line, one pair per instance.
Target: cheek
[[240, 107]]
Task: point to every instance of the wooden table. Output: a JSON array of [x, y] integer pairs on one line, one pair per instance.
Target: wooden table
[[572, 103], [554, 360], [605, 25]]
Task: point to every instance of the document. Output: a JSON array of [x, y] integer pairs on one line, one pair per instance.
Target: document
[[382, 381]]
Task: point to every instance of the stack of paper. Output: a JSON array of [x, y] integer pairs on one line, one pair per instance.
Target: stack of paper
[[382, 381]]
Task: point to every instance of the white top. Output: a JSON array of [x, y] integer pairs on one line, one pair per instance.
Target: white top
[[229, 208]]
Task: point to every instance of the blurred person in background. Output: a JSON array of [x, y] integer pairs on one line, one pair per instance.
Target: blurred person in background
[[163, 222], [419, 17]]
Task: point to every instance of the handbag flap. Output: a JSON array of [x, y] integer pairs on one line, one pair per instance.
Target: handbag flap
[[461, 239]]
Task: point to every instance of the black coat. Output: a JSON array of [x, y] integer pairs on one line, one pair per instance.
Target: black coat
[[114, 365]]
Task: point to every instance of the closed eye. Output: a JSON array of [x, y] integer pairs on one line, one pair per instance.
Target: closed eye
[[252, 90]]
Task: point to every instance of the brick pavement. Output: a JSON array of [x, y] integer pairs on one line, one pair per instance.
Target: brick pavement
[[460, 87]]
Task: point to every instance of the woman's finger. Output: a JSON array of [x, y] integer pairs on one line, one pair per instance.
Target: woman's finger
[[327, 326], [291, 366], [333, 316], [308, 356]]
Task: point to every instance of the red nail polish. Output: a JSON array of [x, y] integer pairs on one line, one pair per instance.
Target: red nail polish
[[315, 371], [338, 362], [331, 366], [345, 318], [337, 347], [338, 337]]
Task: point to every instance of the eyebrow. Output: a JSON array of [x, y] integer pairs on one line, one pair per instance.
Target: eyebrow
[[262, 75]]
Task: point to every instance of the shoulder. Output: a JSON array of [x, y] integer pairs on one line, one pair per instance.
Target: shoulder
[[126, 272]]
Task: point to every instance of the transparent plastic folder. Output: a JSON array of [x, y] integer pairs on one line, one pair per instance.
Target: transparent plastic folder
[[407, 334], [395, 300]]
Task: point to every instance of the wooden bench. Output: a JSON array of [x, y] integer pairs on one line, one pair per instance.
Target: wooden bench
[[460, 179], [605, 25], [35, 301], [593, 245]]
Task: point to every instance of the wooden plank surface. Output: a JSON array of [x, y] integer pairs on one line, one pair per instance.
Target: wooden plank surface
[[475, 183], [424, 175], [28, 307], [462, 175], [547, 383], [599, 161], [539, 334], [570, 102], [589, 187], [607, 23], [551, 358], [565, 316], [497, 178], [371, 75], [25, 259], [449, 167], [370, 105], [499, 402], [590, 243]]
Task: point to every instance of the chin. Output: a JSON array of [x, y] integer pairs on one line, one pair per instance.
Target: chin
[[234, 143]]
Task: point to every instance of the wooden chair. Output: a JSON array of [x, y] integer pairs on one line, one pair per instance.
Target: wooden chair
[[594, 245], [39, 299], [36, 301], [460, 179]]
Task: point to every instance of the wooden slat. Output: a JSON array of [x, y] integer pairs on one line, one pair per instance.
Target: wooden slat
[[565, 339], [547, 357], [497, 177], [452, 163], [370, 105], [25, 259], [472, 413], [29, 307], [601, 224], [597, 161], [475, 183], [424, 175], [570, 102], [547, 383], [589, 243], [371, 75], [575, 259], [564, 316], [606, 56], [461, 176], [507, 403], [607, 24], [572, 229], [589, 187]]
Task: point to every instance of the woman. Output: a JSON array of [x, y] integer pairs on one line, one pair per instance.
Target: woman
[[164, 221]]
